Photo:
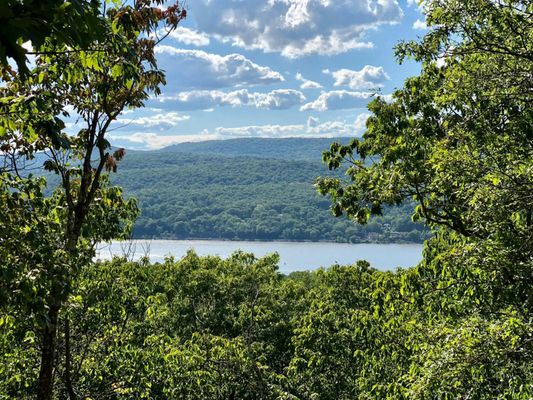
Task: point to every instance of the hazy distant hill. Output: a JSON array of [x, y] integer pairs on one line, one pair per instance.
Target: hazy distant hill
[[253, 189], [285, 149]]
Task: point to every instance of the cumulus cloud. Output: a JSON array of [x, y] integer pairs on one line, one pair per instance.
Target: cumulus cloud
[[197, 69], [337, 128], [326, 129], [338, 100], [420, 25], [360, 121], [153, 141], [163, 120], [189, 36], [368, 77], [295, 28], [261, 131], [306, 83], [280, 99], [312, 122], [313, 128]]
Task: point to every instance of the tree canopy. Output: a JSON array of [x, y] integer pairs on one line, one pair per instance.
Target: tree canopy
[[457, 139], [76, 23], [97, 76]]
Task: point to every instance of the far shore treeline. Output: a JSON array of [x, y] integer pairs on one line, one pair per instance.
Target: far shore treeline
[[246, 189]]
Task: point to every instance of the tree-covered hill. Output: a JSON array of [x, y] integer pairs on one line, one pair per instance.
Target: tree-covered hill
[[279, 148], [218, 190]]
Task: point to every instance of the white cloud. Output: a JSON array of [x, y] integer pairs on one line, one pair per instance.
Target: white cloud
[[418, 4], [295, 28], [197, 69], [312, 122], [360, 121], [153, 141], [338, 128], [420, 25], [152, 119], [306, 83], [366, 78], [338, 100], [313, 128], [330, 46], [189, 36], [279, 99], [261, 131], [163, 120]]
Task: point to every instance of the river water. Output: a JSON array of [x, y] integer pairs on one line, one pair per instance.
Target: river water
[[294, 256]]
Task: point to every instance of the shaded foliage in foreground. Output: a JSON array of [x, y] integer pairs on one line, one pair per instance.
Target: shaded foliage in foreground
[[204, 327]]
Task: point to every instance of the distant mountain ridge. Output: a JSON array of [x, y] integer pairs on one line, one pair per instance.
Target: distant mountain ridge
[[246, 189], [309, 149]]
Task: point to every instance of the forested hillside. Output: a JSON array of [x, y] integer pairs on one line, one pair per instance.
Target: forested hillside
[[187, 191], [279, 148]]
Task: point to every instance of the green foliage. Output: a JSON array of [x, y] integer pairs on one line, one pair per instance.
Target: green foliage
[[346, 345], [118, 70], [205, 327], [456, 140], [200, 328], [476, 357], [73, 23]]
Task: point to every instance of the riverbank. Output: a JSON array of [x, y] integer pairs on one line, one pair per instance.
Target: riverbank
[[294, 256]]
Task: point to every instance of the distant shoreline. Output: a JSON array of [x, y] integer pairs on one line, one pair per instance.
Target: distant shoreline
[[293, 256], [265, 240]]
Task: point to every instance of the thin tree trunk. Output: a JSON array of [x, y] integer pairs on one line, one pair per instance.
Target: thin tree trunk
[[68, 363], [45, 387], [76, 217], [48, 351]]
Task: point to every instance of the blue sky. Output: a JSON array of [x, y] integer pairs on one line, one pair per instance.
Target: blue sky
[[273, 68]]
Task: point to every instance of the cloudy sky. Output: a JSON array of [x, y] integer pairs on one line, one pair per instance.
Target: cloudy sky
[[273, 68]]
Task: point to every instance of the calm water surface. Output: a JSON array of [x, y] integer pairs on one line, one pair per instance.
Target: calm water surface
[[294, 256]]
